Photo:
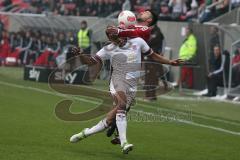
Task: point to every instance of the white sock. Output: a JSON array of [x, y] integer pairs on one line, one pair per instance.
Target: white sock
[[121, 122], [101, 126]]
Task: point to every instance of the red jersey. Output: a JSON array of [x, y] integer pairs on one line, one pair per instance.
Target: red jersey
[[139, 31]]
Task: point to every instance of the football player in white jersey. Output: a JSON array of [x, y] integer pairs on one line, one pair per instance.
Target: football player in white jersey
[[125, 57]]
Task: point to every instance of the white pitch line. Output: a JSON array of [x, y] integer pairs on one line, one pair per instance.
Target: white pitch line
[[195, 115], [192, 123], [46, 92], [200, 99], [62, 95]]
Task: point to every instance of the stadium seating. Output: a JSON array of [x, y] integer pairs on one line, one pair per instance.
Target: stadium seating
[[167, 9]]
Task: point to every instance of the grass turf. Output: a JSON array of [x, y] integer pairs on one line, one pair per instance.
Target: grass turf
[[30, 129]]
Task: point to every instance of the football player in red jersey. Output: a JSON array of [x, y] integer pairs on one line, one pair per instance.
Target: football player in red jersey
[[143, 29]]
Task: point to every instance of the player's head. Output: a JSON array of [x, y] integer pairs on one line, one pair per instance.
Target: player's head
[[148, 17]]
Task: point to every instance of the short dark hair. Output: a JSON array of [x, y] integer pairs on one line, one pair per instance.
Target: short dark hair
[[154, 17]]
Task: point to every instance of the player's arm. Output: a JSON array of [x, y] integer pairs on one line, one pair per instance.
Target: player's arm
[[138, 32], [161, 59], [147, 51], [129, 33], [85, 59]]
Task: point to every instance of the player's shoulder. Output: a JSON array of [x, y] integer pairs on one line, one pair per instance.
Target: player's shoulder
[[107, 46], [137, 39]]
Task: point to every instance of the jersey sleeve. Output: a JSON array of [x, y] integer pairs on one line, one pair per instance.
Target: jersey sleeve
[[145, 49], [143, 32], [128, 33], [101, 55]]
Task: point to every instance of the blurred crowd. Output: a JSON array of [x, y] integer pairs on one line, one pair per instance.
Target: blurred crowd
[[5, 3], [35, 47], [42, 47], [187, 10], [99, 8], [175, 10]]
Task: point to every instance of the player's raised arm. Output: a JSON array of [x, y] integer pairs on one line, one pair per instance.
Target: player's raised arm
[[163, 60], [135, 32], [147, 51], [86, 59]]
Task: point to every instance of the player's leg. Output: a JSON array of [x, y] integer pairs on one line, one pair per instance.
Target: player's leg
[[121, 121], [111, 116], [113, 128], [99, 127]]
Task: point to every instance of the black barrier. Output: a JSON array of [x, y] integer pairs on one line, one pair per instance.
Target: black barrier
[[41, 74]]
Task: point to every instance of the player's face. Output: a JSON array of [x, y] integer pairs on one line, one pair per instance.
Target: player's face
[[145, 16]]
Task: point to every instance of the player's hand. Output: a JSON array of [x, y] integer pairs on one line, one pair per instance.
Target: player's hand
[[76, 51], [177, 62], [112, 30], [112, 33]]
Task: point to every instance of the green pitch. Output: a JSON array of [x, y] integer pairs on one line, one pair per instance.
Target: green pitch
[[191, 129]]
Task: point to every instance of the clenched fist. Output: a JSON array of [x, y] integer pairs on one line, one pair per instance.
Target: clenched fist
[[76, 51], [112, 33], [112, 30]]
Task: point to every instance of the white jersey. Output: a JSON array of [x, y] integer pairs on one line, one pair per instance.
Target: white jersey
[[126, 66], [126, 60]]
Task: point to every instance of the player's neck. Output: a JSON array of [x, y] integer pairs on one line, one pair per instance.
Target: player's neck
[[120, 44]]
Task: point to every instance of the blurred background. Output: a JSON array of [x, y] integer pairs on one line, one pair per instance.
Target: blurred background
[[197, 119], [38, 34]]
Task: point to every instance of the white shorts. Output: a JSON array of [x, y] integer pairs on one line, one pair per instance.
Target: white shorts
[[129, 87]]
